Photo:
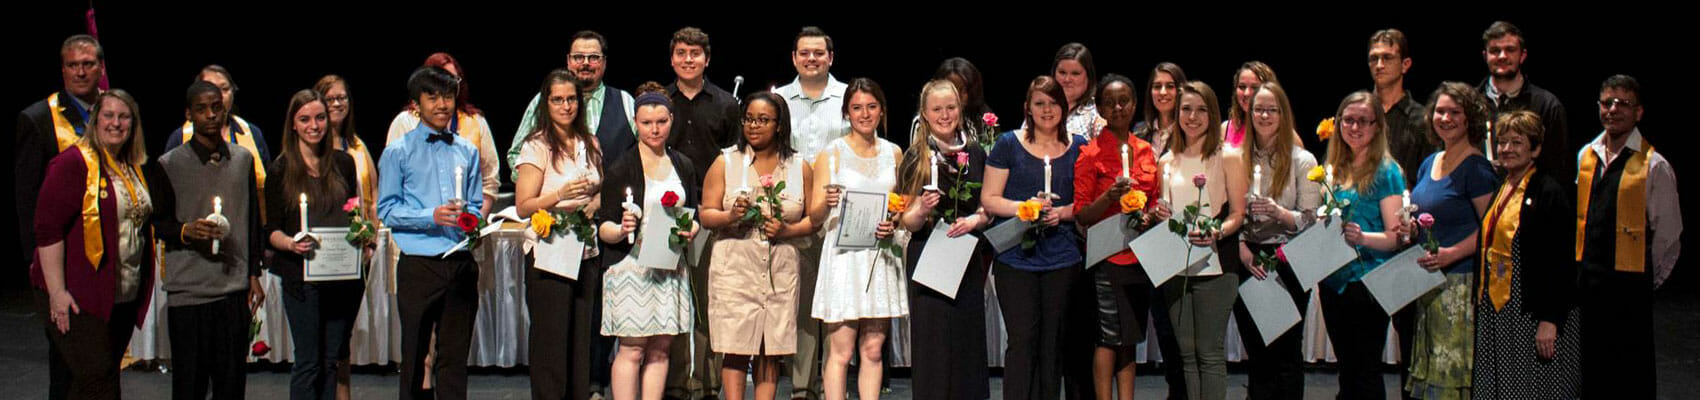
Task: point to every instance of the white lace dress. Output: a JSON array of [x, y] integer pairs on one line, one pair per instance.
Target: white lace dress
[[863, 283]]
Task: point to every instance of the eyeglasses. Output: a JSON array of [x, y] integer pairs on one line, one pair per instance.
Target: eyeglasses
[[1265, 110], [562, 100], [594, 58], [757, 122], [336, 99], [1356, 122], [1608, 103]]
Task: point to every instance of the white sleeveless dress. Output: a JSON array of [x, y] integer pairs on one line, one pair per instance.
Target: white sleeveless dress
[[862, 283]]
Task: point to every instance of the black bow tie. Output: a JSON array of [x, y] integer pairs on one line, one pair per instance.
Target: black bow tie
[[444, 137]]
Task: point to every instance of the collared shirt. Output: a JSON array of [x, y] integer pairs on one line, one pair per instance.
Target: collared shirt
[[234, 128], [1300, 197], [169, 230], [592, 117], [414, 177], [1098, 168], [1541, 102], [815, 122], [704, 124], [1664, 210], [1408, 136]]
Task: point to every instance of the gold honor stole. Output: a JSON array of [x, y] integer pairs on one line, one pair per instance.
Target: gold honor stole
[[94, 190], [246, 140], [1500, 228], [63, 132], [364, 171], [1631, 208]]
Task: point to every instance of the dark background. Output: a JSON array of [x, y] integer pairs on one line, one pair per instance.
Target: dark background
[[154, 51]]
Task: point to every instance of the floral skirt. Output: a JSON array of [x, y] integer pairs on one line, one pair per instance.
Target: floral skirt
[[1444, 344]]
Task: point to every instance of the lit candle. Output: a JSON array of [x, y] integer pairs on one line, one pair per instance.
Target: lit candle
[[1490, 143], [630, 236], [303, 211], [935, 176], [1257, 179], [1124, 162], [745, 179], [460, 190], [1168, 192], [833, 176], [218, 209], [1329, 180], [1047, 175]]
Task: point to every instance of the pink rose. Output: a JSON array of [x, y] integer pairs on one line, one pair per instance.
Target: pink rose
[[767, 181], [990, 119], [1199, 180], [1425, 220], [962, 156], [353, 203]]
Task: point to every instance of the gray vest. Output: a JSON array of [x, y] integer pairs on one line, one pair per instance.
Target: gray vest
[[193, 275]]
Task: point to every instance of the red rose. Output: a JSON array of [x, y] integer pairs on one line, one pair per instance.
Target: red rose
[[260, 348], [468, 222], [669, 199]]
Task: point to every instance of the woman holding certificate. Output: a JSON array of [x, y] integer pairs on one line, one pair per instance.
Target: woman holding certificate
[[1117, 171], [560, 168], [858, 290], [1282, 204], [1365, 174], [951, 326], [1202, 171], [307, 187], [754, 195], [645, 305], [1033, 279]]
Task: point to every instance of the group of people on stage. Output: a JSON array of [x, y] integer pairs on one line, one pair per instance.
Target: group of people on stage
[[1489, 167]]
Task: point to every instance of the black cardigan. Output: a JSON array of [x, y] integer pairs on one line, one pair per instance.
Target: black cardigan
[[628, 172], [1546, 235]]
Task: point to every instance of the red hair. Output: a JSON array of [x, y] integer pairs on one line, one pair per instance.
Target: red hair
[[462, 100]]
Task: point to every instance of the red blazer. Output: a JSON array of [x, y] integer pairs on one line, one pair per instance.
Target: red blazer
[[58, 217]]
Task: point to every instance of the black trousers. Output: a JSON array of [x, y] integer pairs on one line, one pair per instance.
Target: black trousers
[[436, 295], [1358, 328], [209, 348], [83, 362], [1081, 332], [1034, 305], [1276, 370], [1617, 335], [948, 355], [321, 317], [563, 331]]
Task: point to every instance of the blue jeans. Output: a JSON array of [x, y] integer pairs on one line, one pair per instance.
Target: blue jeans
[[321, 317]]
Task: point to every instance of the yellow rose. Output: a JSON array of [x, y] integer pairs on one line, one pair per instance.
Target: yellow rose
[[1133, 201], [1028, 210], [1316, 174], [542, 222], [1325, 129], [894, 203]]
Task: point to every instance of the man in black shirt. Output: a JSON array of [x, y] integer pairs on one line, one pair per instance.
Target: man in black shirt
[[1507, 90], [1408, 135]]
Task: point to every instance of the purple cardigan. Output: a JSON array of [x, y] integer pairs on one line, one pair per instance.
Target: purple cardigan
[[58, 217]]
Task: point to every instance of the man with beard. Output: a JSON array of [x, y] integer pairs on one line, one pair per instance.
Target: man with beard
[[607, 110], [1508, 89]]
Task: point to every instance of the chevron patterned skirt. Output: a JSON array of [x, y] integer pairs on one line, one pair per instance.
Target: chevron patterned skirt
[[639, 301]]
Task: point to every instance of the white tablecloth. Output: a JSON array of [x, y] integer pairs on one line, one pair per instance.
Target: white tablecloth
[[499, 334]]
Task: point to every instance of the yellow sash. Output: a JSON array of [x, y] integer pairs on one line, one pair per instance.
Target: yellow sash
[[1501, 228], [366, 172], [64, 133], [246, 140], [1631, 208], [94, 190]]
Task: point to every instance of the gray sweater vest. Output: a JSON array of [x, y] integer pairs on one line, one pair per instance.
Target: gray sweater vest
[[193, 275]]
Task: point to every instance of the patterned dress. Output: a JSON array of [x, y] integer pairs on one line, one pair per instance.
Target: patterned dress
[[640, 301]]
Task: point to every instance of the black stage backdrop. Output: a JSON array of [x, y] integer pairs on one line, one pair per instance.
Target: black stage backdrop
[[275, 49]]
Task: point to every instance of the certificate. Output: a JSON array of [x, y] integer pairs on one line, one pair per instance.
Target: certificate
[[334, 259], [945, 260], [559, 255], [1106, 238], [1163, 254], [860, 214], [1271, 308], [1318, 251], [1399, 281], [1007, 235], [655, 248]]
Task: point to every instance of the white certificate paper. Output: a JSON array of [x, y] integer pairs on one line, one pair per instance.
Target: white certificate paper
[[1399, 281], [1106, 238], [1319, 251], [560, 255], [1272, 310], [945, 260], [1163, 253], [859, 216], [1007, 235], [334, 259], [655, 248]]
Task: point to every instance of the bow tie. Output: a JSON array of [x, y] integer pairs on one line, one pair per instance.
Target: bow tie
[[444, 137]]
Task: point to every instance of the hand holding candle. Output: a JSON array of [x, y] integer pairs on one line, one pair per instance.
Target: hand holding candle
[[1125, 173], [934, 186], [1257, 179], [630, 237], [217, 217], [1047, 176]]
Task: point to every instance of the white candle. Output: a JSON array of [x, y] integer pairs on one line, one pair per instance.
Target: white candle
[[630, 236], [303, 211], [935, 176], [460, 190], [745, 180], [1329, 180], [833, 175], [218, 209], [1257, 179], [1124, 162], [1490, 143], [1168, 189], [1047, 174]]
